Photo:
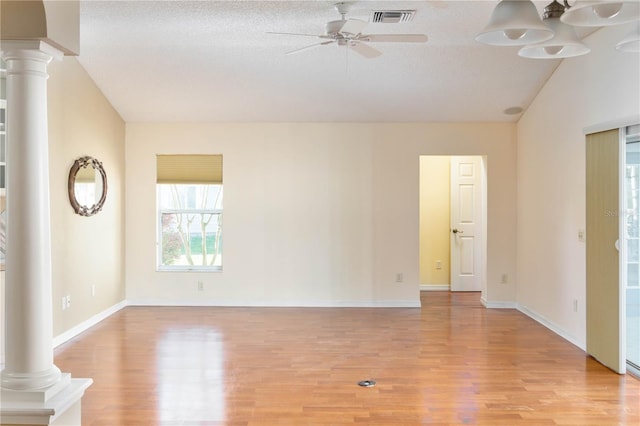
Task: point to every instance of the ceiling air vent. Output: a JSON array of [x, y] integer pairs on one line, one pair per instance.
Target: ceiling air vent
[[392, 16]]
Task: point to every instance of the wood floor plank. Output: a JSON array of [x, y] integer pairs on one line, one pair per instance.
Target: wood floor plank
[[452, 362]]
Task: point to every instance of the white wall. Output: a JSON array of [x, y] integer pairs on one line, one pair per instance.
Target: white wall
[[316, 213], [583, 91]]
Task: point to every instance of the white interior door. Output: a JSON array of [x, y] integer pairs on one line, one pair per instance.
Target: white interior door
[[466, 223]]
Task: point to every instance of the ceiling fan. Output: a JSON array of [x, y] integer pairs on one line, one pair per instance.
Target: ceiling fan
[[348, 32]]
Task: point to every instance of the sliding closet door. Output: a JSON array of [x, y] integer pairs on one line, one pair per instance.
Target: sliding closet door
[[603, 263]]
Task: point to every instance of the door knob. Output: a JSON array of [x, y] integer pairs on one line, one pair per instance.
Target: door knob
[[456, 231]]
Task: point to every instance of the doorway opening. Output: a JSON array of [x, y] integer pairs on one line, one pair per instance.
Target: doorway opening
[[453, 223]]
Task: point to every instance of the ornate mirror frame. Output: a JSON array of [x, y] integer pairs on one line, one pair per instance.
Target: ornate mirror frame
[[82, 162]]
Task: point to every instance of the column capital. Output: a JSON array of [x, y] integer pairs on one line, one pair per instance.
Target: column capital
[[14, 49]]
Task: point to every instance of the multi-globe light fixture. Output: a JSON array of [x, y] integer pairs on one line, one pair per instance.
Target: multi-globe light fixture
[[517, 23]]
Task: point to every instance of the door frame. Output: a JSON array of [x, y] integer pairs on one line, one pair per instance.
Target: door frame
[[622, 253], [485, 209]]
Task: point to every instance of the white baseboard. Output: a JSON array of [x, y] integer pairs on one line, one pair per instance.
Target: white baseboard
[[435, 287], [397, 304], [551, 326], [536, 317], [282, 304], [85, 325]]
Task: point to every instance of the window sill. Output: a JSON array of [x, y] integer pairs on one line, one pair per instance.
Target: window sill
[[189, 269]]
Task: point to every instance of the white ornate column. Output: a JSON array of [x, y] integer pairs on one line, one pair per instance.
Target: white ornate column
[[29, 356], [34, 391]]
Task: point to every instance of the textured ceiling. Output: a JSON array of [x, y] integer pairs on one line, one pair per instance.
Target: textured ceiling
[[181, 61]]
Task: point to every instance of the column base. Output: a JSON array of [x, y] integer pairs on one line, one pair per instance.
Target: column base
[[28, 381], [57, 405]]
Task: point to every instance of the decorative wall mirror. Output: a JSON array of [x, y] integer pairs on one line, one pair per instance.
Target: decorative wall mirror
[[87, 186]]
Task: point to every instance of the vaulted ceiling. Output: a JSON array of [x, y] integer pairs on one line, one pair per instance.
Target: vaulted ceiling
[[216, 61]]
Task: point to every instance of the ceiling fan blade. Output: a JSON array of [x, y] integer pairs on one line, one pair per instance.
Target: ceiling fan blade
[[395, 38], [353, 26], [364, 49], [309, 47], [296, 34]]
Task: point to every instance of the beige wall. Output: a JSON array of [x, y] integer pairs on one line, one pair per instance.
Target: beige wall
[[86, 251], [583, 91], [435, 219], [316, 213]]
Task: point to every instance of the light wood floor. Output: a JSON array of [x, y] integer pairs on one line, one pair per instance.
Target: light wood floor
[[450, 363]]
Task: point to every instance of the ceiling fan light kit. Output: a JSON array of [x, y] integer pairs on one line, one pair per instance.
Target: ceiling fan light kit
[[565, 42], [514, 20], [514, 23], [601, 13]]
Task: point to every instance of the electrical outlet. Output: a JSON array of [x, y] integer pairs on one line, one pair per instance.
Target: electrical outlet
[[93, 290], [68, 301], [575, 305], [399, 277], [200, 286], [64, 303], [581, 236], [504, 279], [438, 264]]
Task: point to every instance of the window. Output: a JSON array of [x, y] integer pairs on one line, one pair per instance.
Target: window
[[189, 200]]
